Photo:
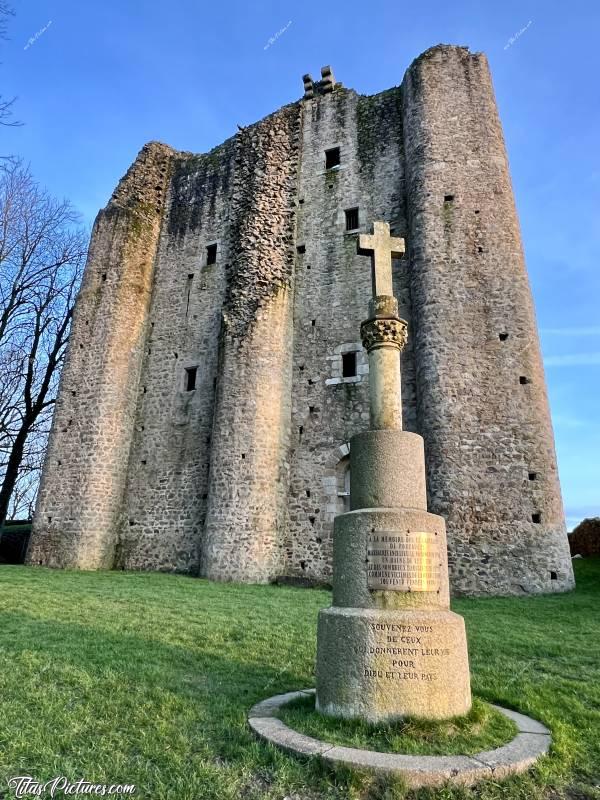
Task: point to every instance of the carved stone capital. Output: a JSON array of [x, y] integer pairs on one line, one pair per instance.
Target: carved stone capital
[[384, 332]]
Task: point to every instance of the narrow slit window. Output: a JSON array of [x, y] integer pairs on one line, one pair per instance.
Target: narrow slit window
[[349, 365], [190, 378], [351, 219], [332, 158], [211, 254]]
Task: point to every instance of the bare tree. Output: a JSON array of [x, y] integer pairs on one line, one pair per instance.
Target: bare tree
[[6, 106], [42, 251]]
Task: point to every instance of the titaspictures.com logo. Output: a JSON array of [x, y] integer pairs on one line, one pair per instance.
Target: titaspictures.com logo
[[26, 786]]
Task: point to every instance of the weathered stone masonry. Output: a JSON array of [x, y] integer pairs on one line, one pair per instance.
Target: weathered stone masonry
[[239, 478]]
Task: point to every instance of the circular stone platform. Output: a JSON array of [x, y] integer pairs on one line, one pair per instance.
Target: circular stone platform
[[532, 742]]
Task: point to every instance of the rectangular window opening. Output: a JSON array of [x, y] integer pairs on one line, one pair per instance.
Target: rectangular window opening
[[448, 198], [537, 518], [211, 254], [503, 336], [351, 219], [332, 158], [523, 380], [533, 476], [349, 365], [301, 249], [190, 378]]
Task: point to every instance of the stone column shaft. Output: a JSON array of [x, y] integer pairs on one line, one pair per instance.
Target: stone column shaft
[[383, 337], [385, 402]]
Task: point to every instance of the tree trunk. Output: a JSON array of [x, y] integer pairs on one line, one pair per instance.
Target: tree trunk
[[12, 471]]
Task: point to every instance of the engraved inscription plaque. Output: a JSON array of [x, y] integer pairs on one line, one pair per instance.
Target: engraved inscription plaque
[[403, 562]]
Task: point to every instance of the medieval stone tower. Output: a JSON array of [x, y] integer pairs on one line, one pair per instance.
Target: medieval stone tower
[[214, 377]]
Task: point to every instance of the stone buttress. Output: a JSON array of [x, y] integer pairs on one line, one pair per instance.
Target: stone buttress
[[80, 500], [482, 404], [247, 501]]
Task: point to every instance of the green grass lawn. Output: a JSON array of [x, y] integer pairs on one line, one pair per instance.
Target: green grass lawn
[[147, 679], [483, 728]]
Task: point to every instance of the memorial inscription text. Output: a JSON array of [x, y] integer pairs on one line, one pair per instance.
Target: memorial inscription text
[[403, 561]]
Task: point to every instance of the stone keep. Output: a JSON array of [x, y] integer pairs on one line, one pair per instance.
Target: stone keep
[[389, 646], [214, 377]]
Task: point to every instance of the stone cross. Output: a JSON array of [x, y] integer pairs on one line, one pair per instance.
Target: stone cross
[[382, 248], [390, 564]]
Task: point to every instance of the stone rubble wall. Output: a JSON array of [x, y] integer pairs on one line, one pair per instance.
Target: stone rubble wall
[[332, 290], [167, 485], [584, 540]]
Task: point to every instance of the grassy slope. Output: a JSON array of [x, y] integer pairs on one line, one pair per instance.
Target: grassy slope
[[146, 679]]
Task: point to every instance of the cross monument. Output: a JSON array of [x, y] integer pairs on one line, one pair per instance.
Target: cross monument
[[389, 646]]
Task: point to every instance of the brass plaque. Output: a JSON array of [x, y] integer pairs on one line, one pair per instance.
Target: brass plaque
[[403, 562]]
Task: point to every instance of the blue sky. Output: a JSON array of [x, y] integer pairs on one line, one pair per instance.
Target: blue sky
[[97, 80]]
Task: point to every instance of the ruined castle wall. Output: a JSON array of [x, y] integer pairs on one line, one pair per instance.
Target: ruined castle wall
[[81, 495], [248, 484], [482, 402], [332, 289], [167, 486], [239, 477]]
